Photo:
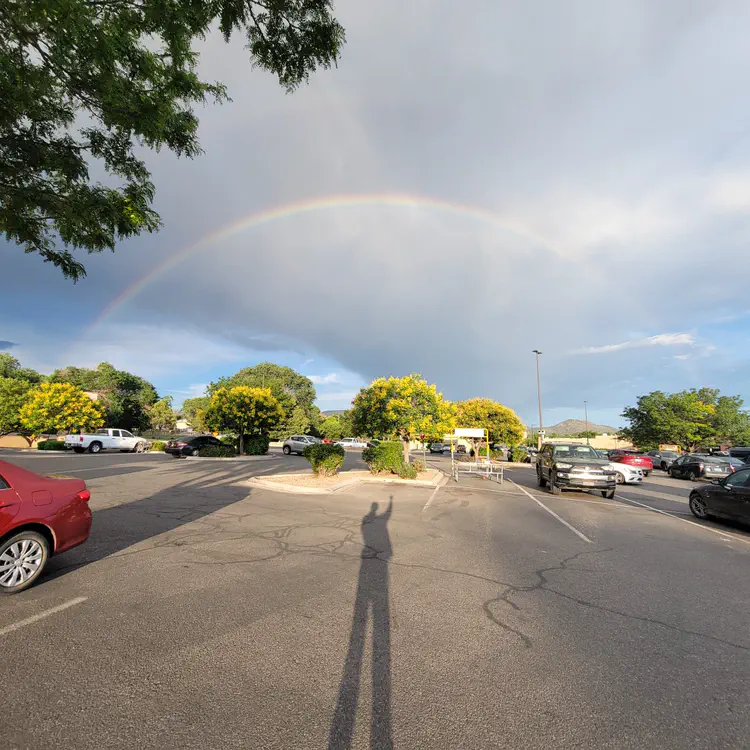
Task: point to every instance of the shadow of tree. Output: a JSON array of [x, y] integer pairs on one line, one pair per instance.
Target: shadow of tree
[[372, 597]]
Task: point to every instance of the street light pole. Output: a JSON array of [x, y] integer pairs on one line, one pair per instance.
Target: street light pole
[[539, 397], [586, 413]]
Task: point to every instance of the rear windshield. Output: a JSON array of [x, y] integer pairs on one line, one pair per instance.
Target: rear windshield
[[102, 432]]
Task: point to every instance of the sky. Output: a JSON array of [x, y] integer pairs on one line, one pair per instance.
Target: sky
[[570, 177]]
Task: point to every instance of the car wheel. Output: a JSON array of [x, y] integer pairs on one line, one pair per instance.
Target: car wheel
[[79, 450], [663, 466], [693, 476], [95, 447], [646, 473], [608, 494], [620, 478], [698, 505], [540, 480], [140, 447], [22, 560], [287, 450], [553, 488], [195, 452]]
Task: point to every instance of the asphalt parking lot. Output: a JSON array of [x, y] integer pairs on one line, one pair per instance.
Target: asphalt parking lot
[[205, 612]]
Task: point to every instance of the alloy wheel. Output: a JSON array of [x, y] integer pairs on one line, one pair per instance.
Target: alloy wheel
[[20, 562], [698, 506]]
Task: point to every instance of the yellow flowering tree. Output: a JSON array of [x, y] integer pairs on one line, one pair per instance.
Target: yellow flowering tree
[[404, 408], [60, 407], [502, 423], [243, 409]]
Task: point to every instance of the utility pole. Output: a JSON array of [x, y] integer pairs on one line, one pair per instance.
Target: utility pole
[[586, 413], [539, 397]]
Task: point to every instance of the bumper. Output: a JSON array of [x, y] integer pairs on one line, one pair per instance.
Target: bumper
[[571, 481], [174, 451]]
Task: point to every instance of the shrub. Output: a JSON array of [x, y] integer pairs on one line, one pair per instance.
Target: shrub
[[158, 445], [50, 445], [418, 466], [217, 451], [388, 458], [325, 459], [255, 445], [518, 454]]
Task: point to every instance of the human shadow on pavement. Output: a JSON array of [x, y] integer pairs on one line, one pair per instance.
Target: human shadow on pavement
[[371, 601]]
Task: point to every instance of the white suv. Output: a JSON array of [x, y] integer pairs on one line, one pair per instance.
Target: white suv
[[298, 443], [351, 443]]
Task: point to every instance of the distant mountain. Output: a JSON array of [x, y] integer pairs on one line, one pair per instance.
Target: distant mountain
[[574, 426], [333, 412]]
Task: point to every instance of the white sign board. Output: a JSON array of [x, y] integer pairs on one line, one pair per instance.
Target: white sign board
[[472, 432]]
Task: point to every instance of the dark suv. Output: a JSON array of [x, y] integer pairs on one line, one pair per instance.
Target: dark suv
[[569, 466]]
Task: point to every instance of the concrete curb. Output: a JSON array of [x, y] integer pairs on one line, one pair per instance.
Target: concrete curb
[[293, 489], [239, 459]]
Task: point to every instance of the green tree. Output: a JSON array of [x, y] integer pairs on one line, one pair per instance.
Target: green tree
[[162, 415], [60, 407], [87, 84], [10, 367], [502, 423], [290, 388], [14, 393], [402, 407], [243, 409], [127, 398], [332, 428], [194, 411], [681, 418], [590, 434]]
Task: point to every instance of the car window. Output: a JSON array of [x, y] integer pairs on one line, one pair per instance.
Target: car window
[[115, 433], [125, 433], [102, 432], [680, 460], [4, 484], [738, 479]]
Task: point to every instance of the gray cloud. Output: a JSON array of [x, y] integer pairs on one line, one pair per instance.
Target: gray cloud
[[610, 134], [5, 345]]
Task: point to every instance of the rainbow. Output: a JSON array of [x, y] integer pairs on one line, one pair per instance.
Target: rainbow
[[324, 203]]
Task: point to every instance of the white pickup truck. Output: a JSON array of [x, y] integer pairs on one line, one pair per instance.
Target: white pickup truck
[[106, 439]]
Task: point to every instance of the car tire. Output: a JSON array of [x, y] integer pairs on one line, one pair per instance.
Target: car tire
[[553, 488], [286, 450], [620, 478], [693, 476], [36, 555], [195, 452], [698, 506], [139, 447], [79, 450], [664, 467], [95, 447], [646, 473], [608, 494], [540, 480]]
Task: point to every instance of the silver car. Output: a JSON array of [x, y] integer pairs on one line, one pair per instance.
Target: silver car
[[663, 459], [298, 443]]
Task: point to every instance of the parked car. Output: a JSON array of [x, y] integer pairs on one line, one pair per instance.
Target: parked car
[[39, 517], [726, 498], [565, 466], [627, 474], [106, 439], [352, 443], [741, 453], [437, 447], [694, 466], [662, 459], [298, 443], [632, 458], [190, 446]]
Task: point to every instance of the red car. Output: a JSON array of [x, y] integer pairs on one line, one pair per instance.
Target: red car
[[39, 517], [632, 458]]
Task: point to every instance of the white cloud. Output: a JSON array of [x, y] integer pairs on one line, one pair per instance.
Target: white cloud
[[192, 391], [332, 377], [661, 339]]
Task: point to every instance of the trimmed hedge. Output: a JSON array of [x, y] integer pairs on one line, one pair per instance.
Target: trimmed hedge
[[388, 458], [418, 466], [158, 445], [325, 459], [217, 451], [50, 445], [255, 445], [518, 454]]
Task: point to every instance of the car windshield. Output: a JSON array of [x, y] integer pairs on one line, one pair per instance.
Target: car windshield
[[575, 451], [670, 454]]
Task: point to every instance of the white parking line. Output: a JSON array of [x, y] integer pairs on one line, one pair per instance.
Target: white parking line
[[430, 498], [553, 514], [721, 533], [31, 620]]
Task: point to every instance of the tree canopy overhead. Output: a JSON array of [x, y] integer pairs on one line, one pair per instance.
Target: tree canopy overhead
[[86, 82], [10, 367], [502, 423]]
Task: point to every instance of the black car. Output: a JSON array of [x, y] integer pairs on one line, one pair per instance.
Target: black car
[[190, 446], [694, 466], [725, 498], [437, 448], [570, 466]]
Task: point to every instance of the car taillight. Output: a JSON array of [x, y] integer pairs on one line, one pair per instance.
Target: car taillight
[[180, 445], [80, 439], [701, 466], [84, 495]]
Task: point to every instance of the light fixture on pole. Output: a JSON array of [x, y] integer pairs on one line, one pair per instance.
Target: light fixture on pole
[[586, 414], [539, 397]]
